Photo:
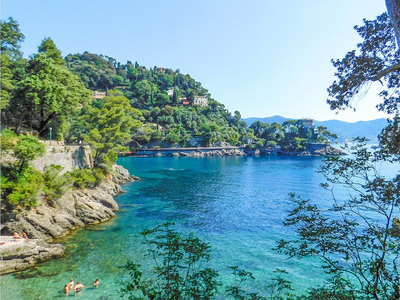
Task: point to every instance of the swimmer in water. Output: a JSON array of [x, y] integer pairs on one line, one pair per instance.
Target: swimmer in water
[[96, 283], [78, 287], [67, 288], [71, 284]]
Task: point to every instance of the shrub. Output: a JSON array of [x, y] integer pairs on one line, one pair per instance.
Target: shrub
[[25, 189], [87, 178], [54, 184]]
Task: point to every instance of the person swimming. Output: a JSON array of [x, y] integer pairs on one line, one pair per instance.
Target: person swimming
[[78, 287], [96, 283], [71, 284], [67, 289]]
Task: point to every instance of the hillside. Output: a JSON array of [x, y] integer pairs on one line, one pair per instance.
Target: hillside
[[174, 108], [345, 130]]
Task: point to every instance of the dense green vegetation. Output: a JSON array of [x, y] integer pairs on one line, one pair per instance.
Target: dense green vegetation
[[20, 183], [292, 135], [40, 94], [164, 117]]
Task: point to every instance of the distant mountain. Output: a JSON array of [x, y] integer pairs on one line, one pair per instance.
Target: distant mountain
[[346, 131]]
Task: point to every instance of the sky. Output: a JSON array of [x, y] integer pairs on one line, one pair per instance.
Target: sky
[[260, 57]]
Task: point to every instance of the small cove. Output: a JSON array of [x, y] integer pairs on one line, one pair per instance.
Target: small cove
[[237, 204]]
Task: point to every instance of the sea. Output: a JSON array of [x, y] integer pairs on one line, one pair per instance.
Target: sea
[[236, 204]]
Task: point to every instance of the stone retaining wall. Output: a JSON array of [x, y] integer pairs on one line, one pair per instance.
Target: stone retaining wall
[[68, 157]]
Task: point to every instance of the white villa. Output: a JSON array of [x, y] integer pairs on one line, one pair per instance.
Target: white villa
[[200, 100]]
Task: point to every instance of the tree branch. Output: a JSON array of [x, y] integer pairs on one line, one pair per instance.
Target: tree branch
[[386, 71]]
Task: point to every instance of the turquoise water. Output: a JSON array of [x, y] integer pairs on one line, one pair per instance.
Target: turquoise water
[[237, 204]]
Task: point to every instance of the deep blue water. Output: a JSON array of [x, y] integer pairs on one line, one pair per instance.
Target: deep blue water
[[237, 204]]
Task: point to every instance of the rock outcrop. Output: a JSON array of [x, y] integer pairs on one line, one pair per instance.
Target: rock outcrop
[[329, 151], [121, 175], [223, 152], [74, 209], [19, 255], [228, 150]]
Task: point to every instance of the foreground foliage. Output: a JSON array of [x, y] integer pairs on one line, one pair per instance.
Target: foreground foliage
[[357, 238], [180, 271]]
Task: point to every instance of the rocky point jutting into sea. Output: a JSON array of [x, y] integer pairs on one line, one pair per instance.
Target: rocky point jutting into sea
[[45, 222]]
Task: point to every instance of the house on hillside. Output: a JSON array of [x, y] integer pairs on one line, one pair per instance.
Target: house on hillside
[[162, 70], [184, 101], [99, 95], [200, 100]]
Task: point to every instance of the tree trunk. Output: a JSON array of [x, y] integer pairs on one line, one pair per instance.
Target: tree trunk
[[393, 7]]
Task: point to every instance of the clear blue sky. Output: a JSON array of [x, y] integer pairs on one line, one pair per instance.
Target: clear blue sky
[[261, 57]]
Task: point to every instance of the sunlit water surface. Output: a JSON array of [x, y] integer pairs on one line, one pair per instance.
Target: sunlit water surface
[[237, 204]]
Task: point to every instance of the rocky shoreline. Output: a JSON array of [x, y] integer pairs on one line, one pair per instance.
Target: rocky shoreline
[[20, 255], [328, 151], [204, 152], [75, 209], [200, 153]]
